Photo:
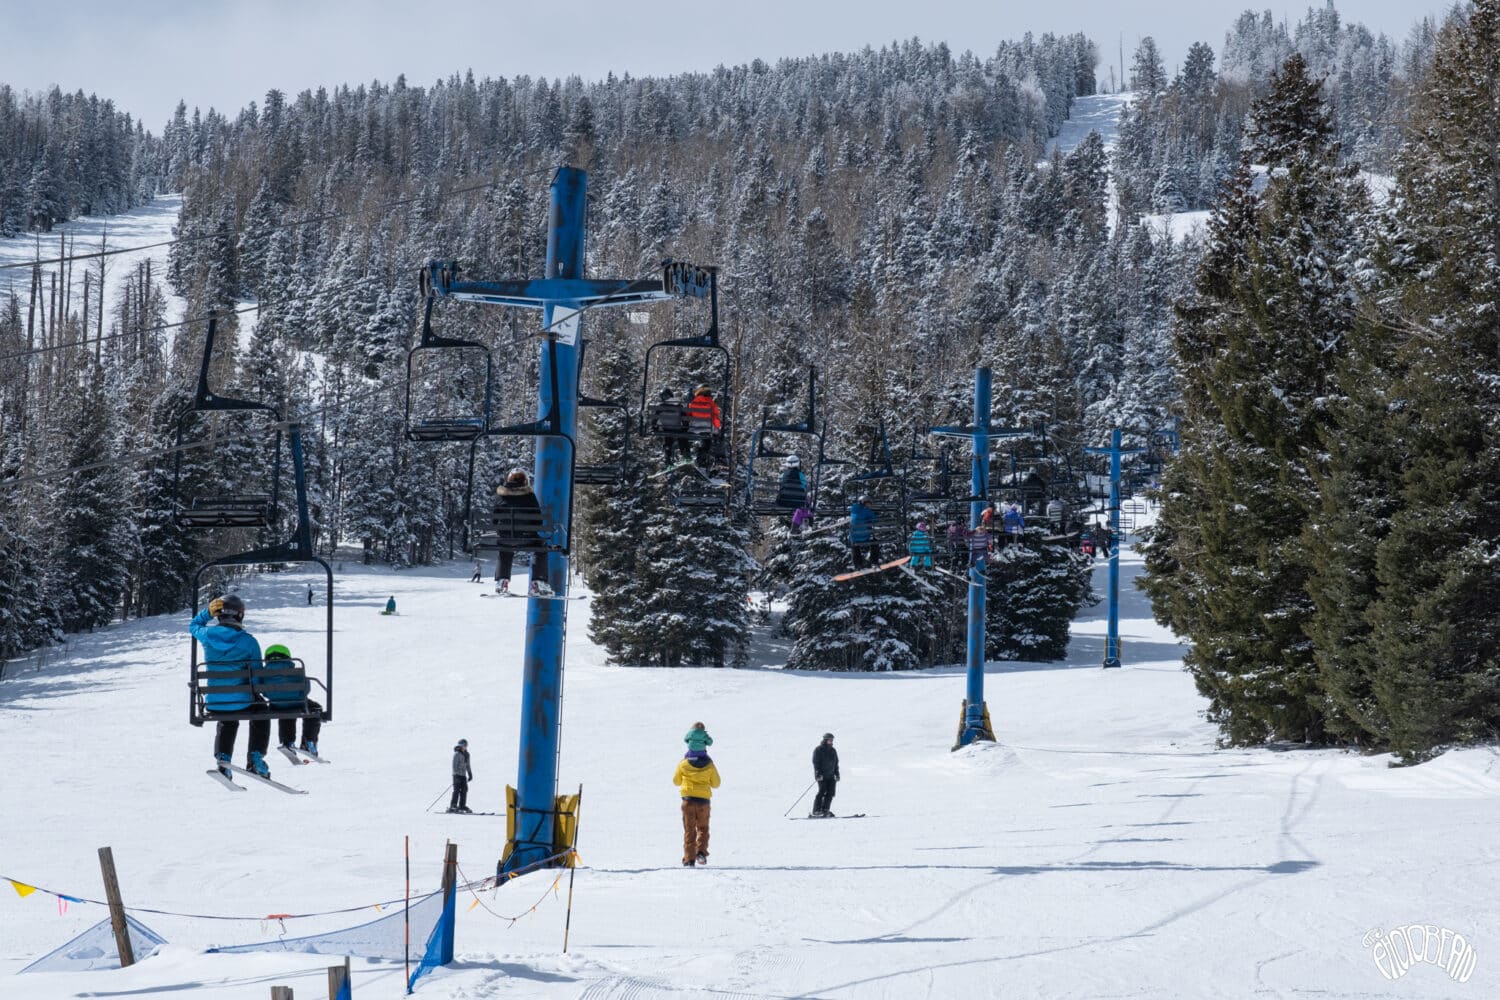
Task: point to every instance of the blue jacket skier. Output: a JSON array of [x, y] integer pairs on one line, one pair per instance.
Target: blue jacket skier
[[231, 653], [862, 532], [920, 546]]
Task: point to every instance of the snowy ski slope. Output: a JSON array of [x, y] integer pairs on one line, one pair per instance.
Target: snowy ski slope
[[144, 226], [1104, 848]]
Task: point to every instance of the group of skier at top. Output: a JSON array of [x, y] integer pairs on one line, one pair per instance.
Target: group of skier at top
[[679, 424], [964, 545]]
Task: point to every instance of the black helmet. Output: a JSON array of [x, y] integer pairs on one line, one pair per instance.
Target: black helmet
[[827, 736], [233, 607], [516, 477], [667, 394]]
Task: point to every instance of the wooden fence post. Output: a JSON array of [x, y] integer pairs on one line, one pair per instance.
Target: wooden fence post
[[281, 993], [338, 975], [116, 907]]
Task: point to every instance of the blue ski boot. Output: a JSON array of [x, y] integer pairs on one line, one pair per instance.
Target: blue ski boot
[[258, 764], [223, 761]]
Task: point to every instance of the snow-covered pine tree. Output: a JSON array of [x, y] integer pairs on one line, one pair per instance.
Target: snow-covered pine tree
[[1034, 590], [166, 554], [882, 621], [1258, 360], [27, 619], [94, 535], [1436, 634], [610, 521]]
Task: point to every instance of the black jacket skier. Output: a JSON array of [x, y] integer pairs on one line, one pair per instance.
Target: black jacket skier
[[462, 775], [825, 760]]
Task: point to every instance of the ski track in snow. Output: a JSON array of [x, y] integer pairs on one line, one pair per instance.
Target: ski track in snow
[[1104, 848]]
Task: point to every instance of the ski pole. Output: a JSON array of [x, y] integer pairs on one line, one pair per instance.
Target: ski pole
[[799, 798], [449, 789]]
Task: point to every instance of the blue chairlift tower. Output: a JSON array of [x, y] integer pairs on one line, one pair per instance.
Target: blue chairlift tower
[[563, 294], [976, 725], [1115, 453]]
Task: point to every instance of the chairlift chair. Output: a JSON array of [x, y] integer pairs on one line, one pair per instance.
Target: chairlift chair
[[762, 492], [244, 509], [431, 345], [256, 679], [509, 530], [611, 472], [657, 419], [886, 492]]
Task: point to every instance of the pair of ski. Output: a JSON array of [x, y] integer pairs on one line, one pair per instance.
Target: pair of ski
[[896, 564], [847, 816], [312, 758], [541, 597], [684, 466], [223, 779]]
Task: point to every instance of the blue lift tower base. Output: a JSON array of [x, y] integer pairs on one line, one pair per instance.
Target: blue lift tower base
[[562, 295]]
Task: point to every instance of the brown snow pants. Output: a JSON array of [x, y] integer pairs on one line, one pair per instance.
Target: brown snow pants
[[694, 829]]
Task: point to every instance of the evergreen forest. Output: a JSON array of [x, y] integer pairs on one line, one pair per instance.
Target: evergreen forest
[[1312, 379]]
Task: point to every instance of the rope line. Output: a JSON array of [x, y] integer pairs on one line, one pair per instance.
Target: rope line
[[553, 888], [212, 916]]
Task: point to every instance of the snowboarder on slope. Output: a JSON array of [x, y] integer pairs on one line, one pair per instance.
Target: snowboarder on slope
[[697, 776], [825, 760], [231, 652], [463, 773]]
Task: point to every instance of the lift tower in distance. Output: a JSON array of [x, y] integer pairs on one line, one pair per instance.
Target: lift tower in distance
[[563, 294]]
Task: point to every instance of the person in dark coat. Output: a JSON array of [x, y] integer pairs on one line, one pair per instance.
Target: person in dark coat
[[825, 760], [463, 773], [231, 653], [670, 420], [791, 489], [516, 493]]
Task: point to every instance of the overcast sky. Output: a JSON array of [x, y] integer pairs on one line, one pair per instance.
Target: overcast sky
[[147, 54]]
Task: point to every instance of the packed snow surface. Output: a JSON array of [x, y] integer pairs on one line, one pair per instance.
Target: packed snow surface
[[1103, 848]]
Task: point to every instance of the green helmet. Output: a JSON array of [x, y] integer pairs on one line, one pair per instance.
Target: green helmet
[[278, 652]]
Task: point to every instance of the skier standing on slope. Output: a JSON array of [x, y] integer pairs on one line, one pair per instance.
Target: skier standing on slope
[[825, 760], [462, 775], [231, 652], [697, 776]]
